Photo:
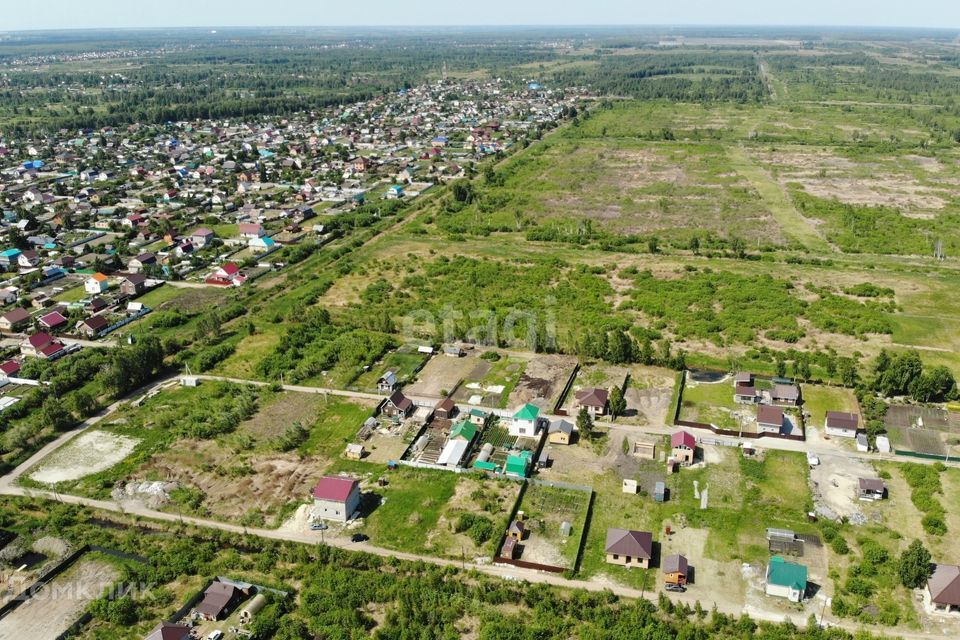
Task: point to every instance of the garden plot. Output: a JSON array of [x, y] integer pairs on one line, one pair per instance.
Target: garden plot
[[443, 373], [648, 389], [484, 502], [53, 609], [493, 386], [543, 381], [545, 509], [86, 454]]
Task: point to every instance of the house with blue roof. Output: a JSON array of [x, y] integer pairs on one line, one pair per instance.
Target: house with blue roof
[[262, 244], [8, 258]]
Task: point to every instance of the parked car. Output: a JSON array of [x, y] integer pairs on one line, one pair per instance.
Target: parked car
[[216, 634], [675, 587], [359, 537], [318, 526]]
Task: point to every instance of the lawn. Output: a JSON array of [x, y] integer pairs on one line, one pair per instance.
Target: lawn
[[336, 425], [402, 363], [161, 294], [709, 402], [545, 508], [818, 399]]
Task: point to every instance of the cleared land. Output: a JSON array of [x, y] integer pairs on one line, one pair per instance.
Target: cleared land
[[86, 454]]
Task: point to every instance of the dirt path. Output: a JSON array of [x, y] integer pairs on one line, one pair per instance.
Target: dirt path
[[778, 203]]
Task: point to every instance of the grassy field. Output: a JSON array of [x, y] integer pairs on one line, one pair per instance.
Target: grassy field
[[403, 364], [711, 403], [818, 399]]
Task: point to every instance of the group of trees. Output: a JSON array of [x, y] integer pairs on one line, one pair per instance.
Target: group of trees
[[903, 374]]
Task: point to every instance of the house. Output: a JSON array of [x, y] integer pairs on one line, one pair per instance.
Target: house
[[141, 262], [355, 451], [336, 498], [524, 421], [559, 432], [477, 417], [769, 419], [746, 394], [9, 258], [786, 395], [15, 319], [52, 321], [96, 284], [453, 351], [629, 548], [841, 424], [133, 285], [683, 447], [397, 406], [743, 378], [262, 244], [943, 588], [445, 409], [92, 326], [463, 430], [219, 600], [387, 382], [518, 465], [202, 237], [9, 368], [250, 230], [871, 489], [645, 449], [516, 530], [41, 345], [675, 569], [96, 305], [169, 631], [786, 579], [595, 400], [227, 274], [28, 259]]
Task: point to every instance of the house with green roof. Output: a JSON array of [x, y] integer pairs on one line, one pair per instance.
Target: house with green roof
[[477, 417], [524, 422], [786, 579], [518, 465], [463, 430]]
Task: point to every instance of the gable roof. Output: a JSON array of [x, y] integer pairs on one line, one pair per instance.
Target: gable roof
[[785, 391], [52, 319], [400, 401], [136, 278], [40, 339], [768, 414], [229, 268], [842, 420], [334, 488], [745, 390], [527, 412], [95, 322], [675, 564], [683, 439], [169, 631], [216, 598], [464, 429], [99, 277], [871, 485], [560, 426], [447, 404], [10, 367], [593, 397], [787, 574], [944, 585], [624, 542], [17, 315]]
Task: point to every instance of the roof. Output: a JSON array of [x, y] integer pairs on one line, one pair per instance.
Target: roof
[[10, 367], [447, 404], [624, 542], [53, 319], [785, 391], [675, 564], [99, 277], [560, 426], [400, 401], [453, 452], [593, 397], [767, 414], [95, 322], [51, 349], [517, 463], [872, 485], [334, 488], [202, 231], [745, 390], [527, 412], [944, 585], [169, 631], [842, 420], [787, 574], [40, 339], [229, 268], [480, 413], [517, 526], [744, 377], [216, 598], [464, 429], [136, 278], [683, 439], [17, 315]]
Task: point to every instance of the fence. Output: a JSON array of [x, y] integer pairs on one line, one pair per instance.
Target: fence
[[736, 434], [124, 322], [924, 456], [566, 389]]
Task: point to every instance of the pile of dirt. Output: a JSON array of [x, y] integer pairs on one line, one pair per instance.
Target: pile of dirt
[[153, 494]]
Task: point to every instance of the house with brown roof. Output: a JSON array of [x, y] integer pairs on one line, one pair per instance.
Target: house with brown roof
[[595, 400], [629, 548], [746, 394], [169, 631], [675, 569], [787, 395], [841, 424], [397, 406], [871, 489], [92, 326], [219, 600], [943, 588], [15, 319], [445, 409], [133, 285], [141, 262], [769, 419]]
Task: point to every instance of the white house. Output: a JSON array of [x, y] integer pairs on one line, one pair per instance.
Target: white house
[[336, 498], [841, 424], [96, 284], [524, 421], [262, 244]]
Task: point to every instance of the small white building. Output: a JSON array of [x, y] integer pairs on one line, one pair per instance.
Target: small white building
[[524, 421], [841, 424]]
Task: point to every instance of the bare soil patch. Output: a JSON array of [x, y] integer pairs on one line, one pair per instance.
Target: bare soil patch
[[442, 373], [834, 485], [86, 454], [543, 380]]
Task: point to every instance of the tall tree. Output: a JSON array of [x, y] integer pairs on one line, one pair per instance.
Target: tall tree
[[584, 423], [914, 566]]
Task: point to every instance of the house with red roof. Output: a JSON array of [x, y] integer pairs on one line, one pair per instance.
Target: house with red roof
[[683, 447], [226, 275], [53, 320], [10, 368], [41, 345], [336, 498]]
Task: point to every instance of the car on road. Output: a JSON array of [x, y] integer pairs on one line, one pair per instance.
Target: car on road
[[216, 634], [319, 526], [675, 587], [359, 537]]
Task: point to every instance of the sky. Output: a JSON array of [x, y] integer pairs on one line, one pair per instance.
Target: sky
[[83, 14]]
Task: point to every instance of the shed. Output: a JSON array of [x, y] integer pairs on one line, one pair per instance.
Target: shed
[[675, 569], [629, 485], [660, 492], [566, 528], [355, 451], [485, 465], [645, 449], [784, 541], [509, 549], [863, 445], [543, 460]]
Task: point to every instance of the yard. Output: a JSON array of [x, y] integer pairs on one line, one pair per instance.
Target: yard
[[818, 399], [546, 508], [442, 373], [496, 385], [404, 363], [710, 403]]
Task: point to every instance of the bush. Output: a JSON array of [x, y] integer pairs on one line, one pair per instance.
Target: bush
[[839, 545], [478, 528]]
